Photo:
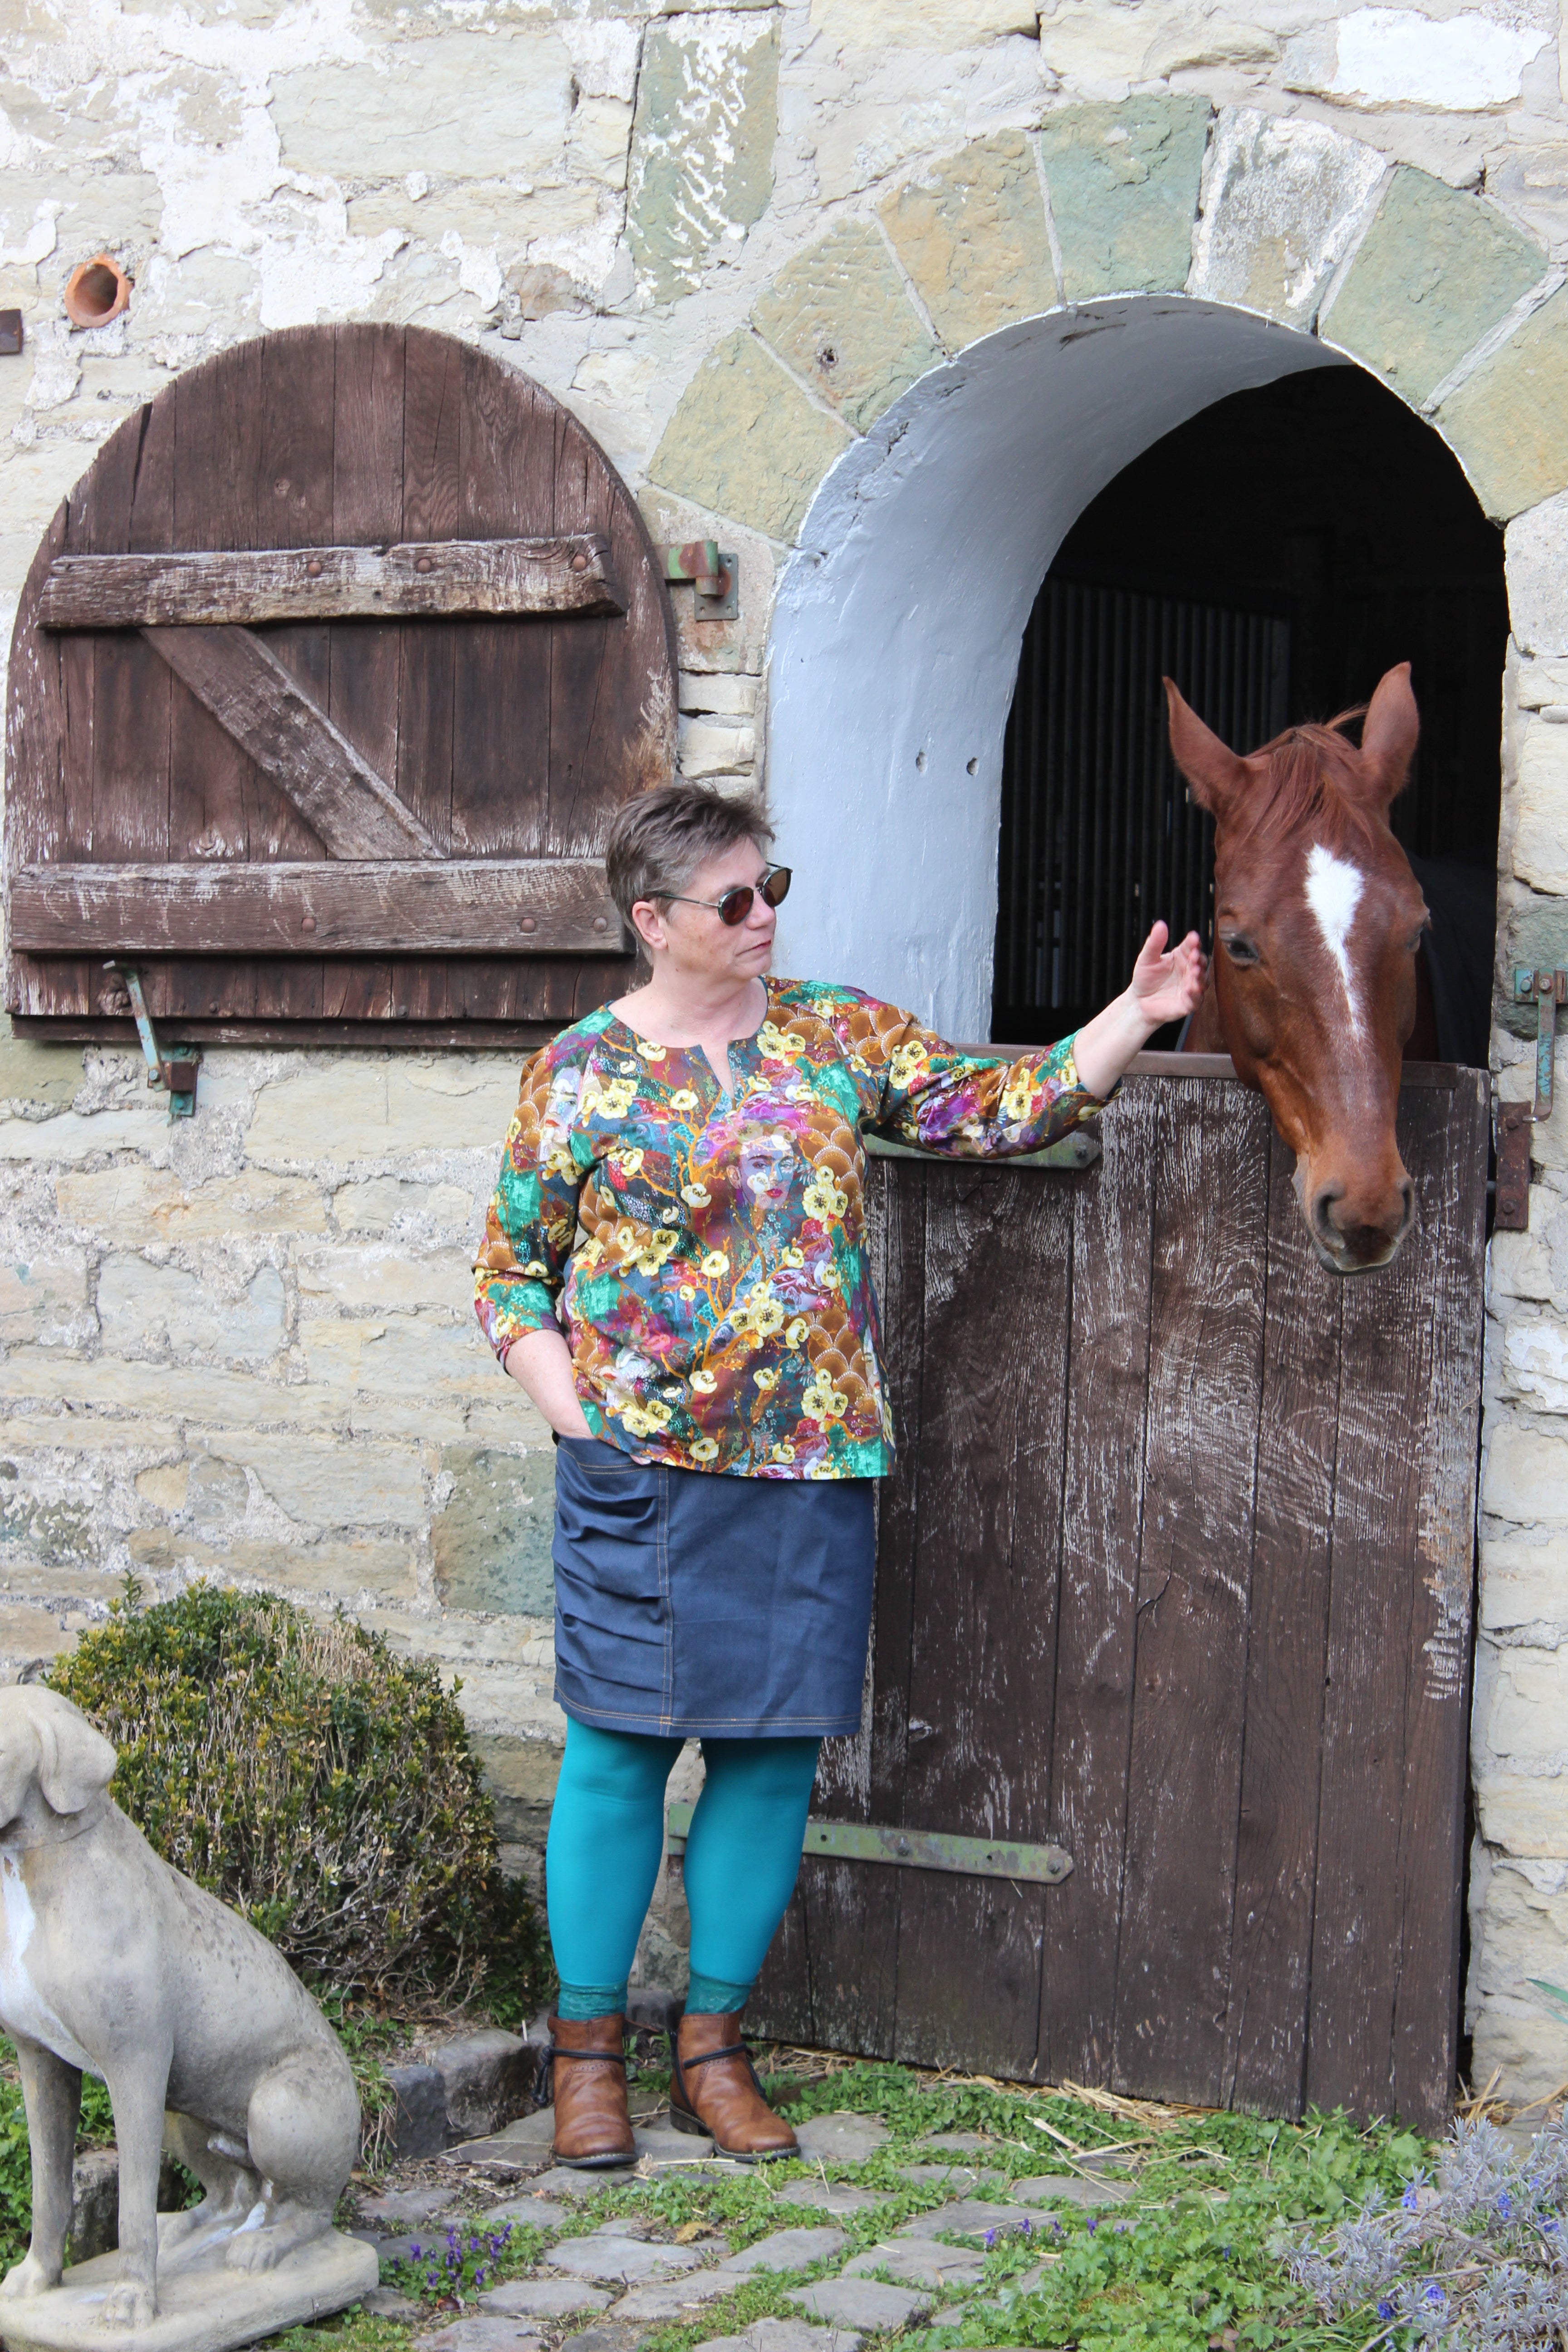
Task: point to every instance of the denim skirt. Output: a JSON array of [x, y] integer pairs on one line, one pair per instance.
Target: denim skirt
[[692, 1604]]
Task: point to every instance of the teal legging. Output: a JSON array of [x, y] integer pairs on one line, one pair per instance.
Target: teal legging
[[606, 1835]]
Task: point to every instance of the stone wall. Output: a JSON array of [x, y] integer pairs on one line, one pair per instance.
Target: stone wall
[[731, 239]]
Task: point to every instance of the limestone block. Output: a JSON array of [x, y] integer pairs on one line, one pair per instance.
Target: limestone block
[[131, 1203], [711, 747], [1529, 2047], [37, 1074], [164, 1309], [361, 1109], [1535, 1358], [325, 1484], [702, 145], [841, 317], [879, 25], [44, 1299], [110, 1385], [1400, 56], [1518, 1264], [1525, 1475], [1536, 546], [1527, 1716], [1124, 183], [1519, 1812], [519, 1777], [26, 1633], [1508, 423], [600, 138], [404, 1375], [971, 234], [1541, 829], [1524, 1581], [745, 442], [76, 1135], [368, 1279], [491, 1541], [165, 1486], [330, 1574], [474, 105], [387, 1201], [728, 698], [1281, 202], [1437, 268]]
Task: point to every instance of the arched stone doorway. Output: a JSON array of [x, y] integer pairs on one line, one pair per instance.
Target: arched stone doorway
[[1064, 297]]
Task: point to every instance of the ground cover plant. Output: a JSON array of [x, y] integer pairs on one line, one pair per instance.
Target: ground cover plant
[[319, 1783], [1214, 2245]]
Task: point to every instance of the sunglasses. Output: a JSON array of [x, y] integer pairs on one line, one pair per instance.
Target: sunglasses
[[736, 904]]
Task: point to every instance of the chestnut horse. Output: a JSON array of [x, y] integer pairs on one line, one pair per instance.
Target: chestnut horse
[[1318, 922]]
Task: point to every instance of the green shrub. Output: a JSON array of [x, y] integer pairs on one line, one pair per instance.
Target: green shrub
[[322, 1786]]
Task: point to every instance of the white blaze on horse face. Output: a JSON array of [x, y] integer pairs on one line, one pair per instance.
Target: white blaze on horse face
[[1333, 892]]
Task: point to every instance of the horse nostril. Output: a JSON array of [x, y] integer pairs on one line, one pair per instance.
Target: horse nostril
[[1407, 1212], [1324, 1223]]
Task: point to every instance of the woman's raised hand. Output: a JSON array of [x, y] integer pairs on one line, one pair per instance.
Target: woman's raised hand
[[1168, 982]]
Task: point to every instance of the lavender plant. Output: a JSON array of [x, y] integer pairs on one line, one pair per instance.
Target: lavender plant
[[1475, 2260]]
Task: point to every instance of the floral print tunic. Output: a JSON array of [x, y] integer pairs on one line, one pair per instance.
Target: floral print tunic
[[706, 1253]]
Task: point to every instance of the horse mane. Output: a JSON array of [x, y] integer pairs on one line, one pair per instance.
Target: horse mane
[[1314, 777]]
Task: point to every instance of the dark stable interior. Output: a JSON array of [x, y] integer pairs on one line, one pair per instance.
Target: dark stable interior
[[1275, 555]]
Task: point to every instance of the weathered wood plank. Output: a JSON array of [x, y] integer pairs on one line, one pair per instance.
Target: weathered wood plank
[[250, 694], [994, 1406], [1373, 1669], [373, 991], [1276, 1847], [328, 906], [440, 578], [1102, 1512], [1205, 1346], [1444, 1149]]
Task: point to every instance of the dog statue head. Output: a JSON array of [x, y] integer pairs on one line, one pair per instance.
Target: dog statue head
[[52, 1760]]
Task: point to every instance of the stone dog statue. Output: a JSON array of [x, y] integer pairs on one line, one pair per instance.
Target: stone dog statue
[[113, 1964]]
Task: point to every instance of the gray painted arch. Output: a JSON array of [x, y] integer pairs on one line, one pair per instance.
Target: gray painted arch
[[894, 647]]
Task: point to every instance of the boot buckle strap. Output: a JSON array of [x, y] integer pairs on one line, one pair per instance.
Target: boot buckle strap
[[596, 2057]]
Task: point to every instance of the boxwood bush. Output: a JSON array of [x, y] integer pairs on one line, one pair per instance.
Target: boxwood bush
[[320, 1784]]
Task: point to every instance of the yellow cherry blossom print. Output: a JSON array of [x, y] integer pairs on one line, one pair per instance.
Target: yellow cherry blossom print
[[766, 1379], [636, 1420], [702, 1383], [696, 1196], [715, 1263], [683, 1098], [627, 1163], [783, 1451], [703, 1449], [907, 1062], [687, 1293], [796, 1335]]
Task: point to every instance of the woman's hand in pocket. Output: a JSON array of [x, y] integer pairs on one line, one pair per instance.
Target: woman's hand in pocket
[[540, 1364]]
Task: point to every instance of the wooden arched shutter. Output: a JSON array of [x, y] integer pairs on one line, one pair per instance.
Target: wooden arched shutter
[[326, 682]]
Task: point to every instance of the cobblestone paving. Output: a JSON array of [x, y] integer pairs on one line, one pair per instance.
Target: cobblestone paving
[[866, 2234]]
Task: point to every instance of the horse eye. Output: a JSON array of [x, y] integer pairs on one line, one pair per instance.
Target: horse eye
[[1238, 949]]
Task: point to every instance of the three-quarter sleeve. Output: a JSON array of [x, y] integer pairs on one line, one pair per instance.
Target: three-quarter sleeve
[[532, 1219], [941, 1098]]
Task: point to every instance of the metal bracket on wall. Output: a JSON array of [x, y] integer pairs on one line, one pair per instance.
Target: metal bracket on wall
[[1034, 1865], [10, 334], [178, 1075], [714, 573], [1546, 991]]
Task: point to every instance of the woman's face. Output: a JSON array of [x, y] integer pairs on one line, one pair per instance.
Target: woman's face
[[692, 943]]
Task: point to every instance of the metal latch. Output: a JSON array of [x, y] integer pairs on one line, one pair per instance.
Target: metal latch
[[714, 574], [1034, 1865], [179, 1075], [1546, 991]]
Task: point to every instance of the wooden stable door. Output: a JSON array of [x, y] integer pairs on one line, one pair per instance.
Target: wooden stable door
[[1174, 1571]]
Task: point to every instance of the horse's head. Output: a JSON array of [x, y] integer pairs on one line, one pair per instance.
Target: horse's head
[[1318, 918]]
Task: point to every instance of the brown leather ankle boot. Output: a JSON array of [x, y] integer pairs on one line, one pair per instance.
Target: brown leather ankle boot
[[588, 2072], [714, 2089]]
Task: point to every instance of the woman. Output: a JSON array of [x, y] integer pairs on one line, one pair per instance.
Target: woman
[[675, 1269]]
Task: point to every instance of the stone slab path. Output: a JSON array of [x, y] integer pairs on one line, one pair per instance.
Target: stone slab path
[[848, 2276]]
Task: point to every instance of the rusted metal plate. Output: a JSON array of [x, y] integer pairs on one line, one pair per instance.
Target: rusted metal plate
[[1514, 1121]]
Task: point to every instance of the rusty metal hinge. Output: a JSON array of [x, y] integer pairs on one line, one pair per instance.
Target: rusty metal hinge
[[714, 574], [1035, 1865], [177, 1073], [1510, 1204]]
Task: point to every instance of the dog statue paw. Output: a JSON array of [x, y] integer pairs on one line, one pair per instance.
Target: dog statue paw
[[113, 1964]]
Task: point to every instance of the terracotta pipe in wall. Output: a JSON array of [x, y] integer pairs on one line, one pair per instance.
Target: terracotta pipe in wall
[[96, 291]]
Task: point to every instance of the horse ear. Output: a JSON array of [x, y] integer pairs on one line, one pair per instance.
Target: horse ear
[[1216, 775], [1389, 731]]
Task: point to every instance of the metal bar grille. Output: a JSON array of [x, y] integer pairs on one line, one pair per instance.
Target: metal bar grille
[[1097, 835]]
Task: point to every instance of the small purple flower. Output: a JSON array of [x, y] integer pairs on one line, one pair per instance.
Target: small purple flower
[[479, 2278], [414, 2254], [990, 2239], [1093, 2228], [1025, 2227], [1505, 2204], [1385, 2309], [1434, 2295], [432, 2278], [1408, 2200], [1225, 2253]]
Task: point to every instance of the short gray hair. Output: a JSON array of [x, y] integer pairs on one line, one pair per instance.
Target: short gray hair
[[659, 840]]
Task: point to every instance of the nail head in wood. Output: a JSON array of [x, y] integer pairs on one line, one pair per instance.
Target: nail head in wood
[[307, 922]]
